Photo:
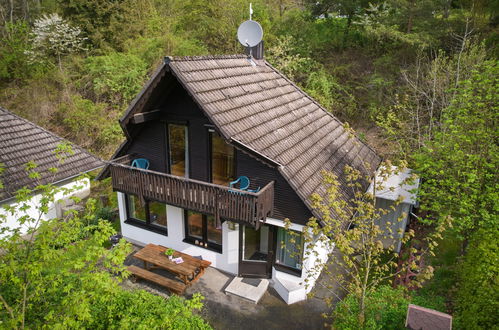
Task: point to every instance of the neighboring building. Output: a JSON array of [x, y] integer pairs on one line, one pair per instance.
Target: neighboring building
[[421, 318], [398, 195], [21, 141], [202, 122]]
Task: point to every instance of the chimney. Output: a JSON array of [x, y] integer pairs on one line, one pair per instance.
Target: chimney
[[256, 51]]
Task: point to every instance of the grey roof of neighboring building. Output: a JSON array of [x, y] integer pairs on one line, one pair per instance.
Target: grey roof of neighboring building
[[21, 141], [258, 108], [400, 183], [421, 318]]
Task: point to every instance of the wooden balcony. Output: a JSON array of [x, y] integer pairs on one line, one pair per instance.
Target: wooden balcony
[[220, 201]]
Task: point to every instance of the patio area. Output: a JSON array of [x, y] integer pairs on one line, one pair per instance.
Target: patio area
[[224, 311]]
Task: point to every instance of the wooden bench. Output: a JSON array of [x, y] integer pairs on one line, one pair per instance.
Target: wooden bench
[[172, 285]]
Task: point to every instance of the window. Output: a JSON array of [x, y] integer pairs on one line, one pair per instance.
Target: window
[[157, 213], [135, 208], [289, 251], [201, 230], [150, 215], [178, 150], [222, 160]]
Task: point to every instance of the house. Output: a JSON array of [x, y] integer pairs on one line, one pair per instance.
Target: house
[[21, 142], [201, 123]]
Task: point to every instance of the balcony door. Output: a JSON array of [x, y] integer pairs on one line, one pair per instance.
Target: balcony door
[[178, 150], [222, 165], [256, 251]]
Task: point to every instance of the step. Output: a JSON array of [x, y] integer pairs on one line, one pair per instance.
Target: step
[[242, 288]]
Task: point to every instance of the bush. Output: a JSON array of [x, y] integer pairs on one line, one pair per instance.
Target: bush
[[478, 289], [386, 308], [116, 77]]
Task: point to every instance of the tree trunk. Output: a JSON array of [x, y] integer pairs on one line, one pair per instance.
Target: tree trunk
[[410, 16]]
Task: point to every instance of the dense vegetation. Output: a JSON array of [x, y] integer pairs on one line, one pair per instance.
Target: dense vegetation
[[63, 274], [416, 79]]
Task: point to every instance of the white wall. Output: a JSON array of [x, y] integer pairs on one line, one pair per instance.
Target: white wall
[[226, 261], [390, 219], [82, 190], [290, 287]]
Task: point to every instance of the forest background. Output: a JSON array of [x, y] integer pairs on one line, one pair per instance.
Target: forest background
[[416, 79]]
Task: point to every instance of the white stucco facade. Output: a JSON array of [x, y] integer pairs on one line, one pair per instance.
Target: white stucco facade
[[290, 287], [80, 188]]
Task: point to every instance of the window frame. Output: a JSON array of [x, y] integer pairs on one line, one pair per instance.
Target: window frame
[[285, 268], [192, 240], [163, 230]]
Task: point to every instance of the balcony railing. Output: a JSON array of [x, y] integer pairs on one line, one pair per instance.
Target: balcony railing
[[221, 201]]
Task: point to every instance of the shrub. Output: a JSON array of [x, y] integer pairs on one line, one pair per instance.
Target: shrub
[[386, 308], [478, 289], [116, 77]]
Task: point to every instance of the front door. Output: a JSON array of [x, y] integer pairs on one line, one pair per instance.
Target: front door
[[256, 251]]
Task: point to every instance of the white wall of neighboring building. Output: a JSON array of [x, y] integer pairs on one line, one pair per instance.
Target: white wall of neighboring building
[[81, 189]]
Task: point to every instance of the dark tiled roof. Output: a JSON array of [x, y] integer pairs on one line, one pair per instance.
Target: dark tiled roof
[[21, 141], [420, 318], [259, 108]]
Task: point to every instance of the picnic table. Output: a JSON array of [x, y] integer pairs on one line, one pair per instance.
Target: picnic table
[[153, 256]]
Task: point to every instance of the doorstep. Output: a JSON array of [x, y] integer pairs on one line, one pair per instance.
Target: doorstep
[[251, 289]]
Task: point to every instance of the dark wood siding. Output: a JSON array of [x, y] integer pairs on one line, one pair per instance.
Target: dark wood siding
[[177, 107], [150, 143], [287, 204]]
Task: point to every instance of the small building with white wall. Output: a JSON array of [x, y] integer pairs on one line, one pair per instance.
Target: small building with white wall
[[21, 142], [397, 195]]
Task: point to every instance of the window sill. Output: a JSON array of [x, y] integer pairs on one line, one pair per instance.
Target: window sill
[[211, 247], [146, 226], [288, 270]]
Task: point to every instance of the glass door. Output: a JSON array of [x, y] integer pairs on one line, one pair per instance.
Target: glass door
[[255, 251], [222, 163], [178, 150]]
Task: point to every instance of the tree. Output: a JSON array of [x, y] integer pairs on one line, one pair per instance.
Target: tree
[[53, 36], [61, 275], [364, 255], [478, 286], [459, 167]]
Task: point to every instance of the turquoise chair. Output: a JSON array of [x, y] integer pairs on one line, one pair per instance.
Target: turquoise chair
[[243, 181], [141, 163]]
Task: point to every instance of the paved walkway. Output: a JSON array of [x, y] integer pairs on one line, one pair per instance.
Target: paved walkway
[[230, 312]]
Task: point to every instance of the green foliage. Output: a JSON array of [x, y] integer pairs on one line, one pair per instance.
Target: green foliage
[[61, 275], [107, 24], [460, 166], [14, 45], [93, 125], [478, 294], [386, 308], [118, 77]]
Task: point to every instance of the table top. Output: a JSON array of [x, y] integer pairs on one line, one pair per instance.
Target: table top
[[154, 254]]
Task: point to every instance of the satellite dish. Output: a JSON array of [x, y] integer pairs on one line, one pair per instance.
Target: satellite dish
[[250, 33]]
